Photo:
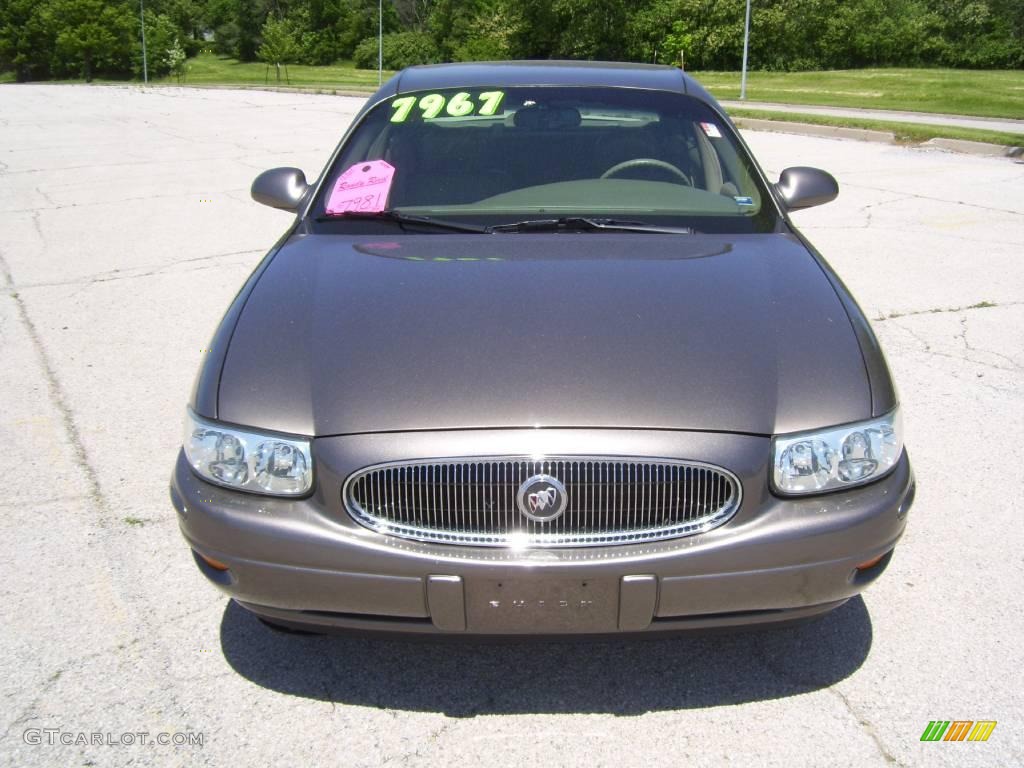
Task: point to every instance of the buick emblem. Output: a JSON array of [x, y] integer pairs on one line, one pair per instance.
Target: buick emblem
[[542, 498]]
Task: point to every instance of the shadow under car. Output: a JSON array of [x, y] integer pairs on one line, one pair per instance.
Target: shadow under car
[[571, 675]]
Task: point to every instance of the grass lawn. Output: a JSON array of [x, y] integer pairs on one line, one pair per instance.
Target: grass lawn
[[953, 91], [911, 133], [210, 69]]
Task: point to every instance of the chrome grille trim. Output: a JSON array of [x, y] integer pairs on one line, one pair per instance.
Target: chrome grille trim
[[611, 500]]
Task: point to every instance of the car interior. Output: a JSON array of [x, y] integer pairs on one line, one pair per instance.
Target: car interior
[[440, 164]]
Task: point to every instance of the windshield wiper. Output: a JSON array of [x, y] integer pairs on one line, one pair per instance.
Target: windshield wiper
[[565, 224], [404, 218], [585, 224]]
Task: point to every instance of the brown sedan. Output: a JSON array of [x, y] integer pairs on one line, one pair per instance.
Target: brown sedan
[[542, 353]]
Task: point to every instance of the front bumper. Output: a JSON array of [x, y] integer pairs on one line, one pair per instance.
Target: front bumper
[[307, 563]]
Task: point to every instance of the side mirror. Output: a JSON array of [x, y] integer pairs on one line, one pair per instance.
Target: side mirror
[[803, 187], [281, 188]]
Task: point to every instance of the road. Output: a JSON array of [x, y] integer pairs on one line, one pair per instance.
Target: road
[[1007, 125], [125, 230]]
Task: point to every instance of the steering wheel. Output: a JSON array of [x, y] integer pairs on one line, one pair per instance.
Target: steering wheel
[[646, 162]]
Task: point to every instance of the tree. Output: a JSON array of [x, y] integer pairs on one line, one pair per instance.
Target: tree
[[93, 38], [280, 44], [400, 49], [249, 18], [27, 39], [173, 60], [162, 44]]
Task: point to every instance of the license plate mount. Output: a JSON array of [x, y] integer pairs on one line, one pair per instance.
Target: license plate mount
[[541, 605]]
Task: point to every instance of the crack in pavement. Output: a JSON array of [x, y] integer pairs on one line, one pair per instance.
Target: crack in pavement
[[147, 162], [867, 727], [904, 230], [774, 669], [131, 274], [939, 200], [927, 349], [68, 664], [42, 502], [1014, 365], [38, 227], [945, 310], [866, 211], [141, 198], [46, 197], [90, 283], [59, 400], [58, 397]]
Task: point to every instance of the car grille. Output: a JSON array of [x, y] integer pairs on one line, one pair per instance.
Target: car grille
[[609, 500]]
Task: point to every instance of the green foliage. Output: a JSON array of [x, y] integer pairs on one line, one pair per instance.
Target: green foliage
[[280, 42], [91, 37], [162, 46], [173, 60], [401, 49], [85, 38], [820, 34], [27, 39]]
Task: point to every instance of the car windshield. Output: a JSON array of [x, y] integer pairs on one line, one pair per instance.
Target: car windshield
[[493, 156]]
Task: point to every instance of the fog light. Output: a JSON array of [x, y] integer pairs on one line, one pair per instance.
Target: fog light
[[217, 565], [871, 563]]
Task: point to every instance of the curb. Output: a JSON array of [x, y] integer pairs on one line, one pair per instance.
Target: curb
[[961, 146], [318, 90], [871, 113], [965, 147], [809, 129]]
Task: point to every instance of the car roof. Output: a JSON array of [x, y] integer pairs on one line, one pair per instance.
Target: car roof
[[512, 73]]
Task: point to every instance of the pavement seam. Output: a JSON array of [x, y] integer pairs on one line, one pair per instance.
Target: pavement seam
[[42, 502], [26, 714], [867, 728], [1013, 364], [963, 357], [146, 198], [938, 200], [158, 269], [80, 458], [946, 310], [59, 400]]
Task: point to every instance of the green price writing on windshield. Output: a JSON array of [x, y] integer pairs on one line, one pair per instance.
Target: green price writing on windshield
[[434, 105]]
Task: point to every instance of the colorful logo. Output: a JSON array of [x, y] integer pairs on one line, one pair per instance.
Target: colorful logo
[[958, 730]]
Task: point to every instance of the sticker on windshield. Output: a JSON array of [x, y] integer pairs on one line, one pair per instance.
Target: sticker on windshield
[[744, 200], [434, 105], [711, 130], [364, 187]]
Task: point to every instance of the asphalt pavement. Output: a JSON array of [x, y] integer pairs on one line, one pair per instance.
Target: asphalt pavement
[[125, 230]]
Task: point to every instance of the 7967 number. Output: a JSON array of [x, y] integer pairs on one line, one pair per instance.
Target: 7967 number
[[432, 105]]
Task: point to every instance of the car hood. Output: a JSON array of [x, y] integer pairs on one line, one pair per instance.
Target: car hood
[[739, 333]]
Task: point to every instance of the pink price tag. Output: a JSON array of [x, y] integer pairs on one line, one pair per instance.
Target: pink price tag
[[364, 187]]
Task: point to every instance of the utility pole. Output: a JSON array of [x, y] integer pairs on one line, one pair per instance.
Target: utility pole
[[142, 23], [380, 42], [746, 47]]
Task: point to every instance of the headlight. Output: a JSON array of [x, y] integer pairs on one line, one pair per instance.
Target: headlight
[[838, 457], [248, 461]]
